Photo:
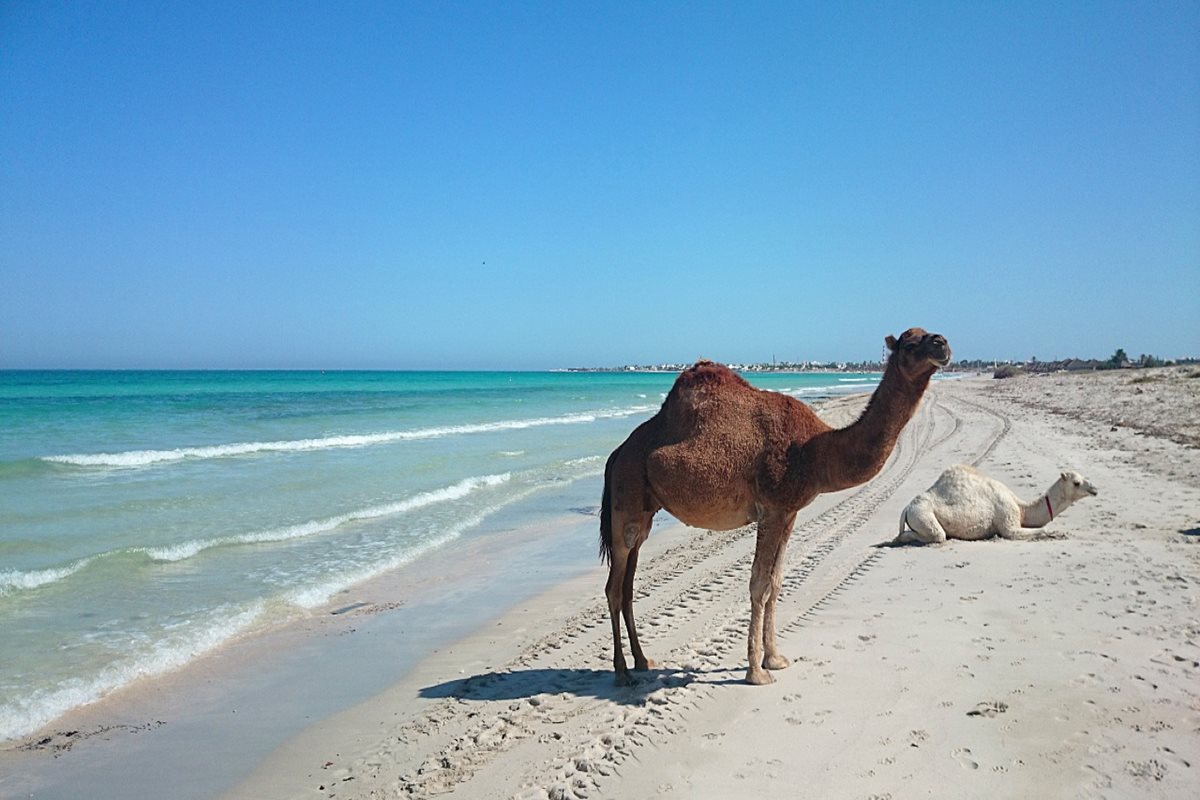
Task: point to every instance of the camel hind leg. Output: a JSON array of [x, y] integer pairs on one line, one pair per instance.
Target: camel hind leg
[[640, 662], [923, 526], [628, 536]]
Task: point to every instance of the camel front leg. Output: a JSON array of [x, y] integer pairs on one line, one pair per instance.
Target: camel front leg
[[1021, 534], [762, 578], [773, 658]]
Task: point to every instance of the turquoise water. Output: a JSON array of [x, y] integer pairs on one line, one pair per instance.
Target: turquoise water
[[148, 517]]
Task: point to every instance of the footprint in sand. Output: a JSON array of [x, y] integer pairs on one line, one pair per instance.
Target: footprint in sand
[[1146, 770], [1171, 756], [963, 756], [989, 708], [916, 737]]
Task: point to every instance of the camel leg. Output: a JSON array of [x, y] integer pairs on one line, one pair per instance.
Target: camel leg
[[925, 527], [1008, 526], [640, 662], [614, 591], [774, 659], [762, 581], [1018, 533], [627, 538]]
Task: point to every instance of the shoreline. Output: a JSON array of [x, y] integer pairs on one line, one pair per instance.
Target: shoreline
[[240, 701]]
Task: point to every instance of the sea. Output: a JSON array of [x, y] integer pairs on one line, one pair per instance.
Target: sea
[[149, 518]]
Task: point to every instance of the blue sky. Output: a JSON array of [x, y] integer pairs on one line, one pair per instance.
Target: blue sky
[[535, 185]]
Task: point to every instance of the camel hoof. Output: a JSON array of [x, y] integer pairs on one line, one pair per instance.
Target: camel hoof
[[759, 677], [777, 662], [648, 663]]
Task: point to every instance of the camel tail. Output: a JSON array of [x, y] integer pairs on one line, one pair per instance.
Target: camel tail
[[606, 512]]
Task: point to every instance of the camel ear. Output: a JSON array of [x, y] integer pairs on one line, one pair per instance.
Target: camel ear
[[1064, 476], [890, 341]]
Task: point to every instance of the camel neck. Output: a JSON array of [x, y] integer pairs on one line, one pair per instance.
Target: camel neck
[[853, 455], [1040, 512]]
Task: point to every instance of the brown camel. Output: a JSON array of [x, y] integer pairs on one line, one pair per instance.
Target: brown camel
[[720, 454]]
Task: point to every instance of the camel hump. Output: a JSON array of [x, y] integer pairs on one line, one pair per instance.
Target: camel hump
[[706, 374], [702, 388]]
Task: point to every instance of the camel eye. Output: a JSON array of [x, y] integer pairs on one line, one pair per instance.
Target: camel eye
[[1076, 483]]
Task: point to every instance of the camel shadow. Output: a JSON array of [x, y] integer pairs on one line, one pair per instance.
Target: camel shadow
[[523, 684]]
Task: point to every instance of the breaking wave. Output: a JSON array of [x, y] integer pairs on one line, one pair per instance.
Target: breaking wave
[[144, 458], [16, 581]]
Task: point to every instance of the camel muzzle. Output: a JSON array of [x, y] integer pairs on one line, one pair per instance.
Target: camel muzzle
[[940, 349]]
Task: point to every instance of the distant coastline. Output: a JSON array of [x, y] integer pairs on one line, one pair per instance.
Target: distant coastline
[[969, 366], [865, 366]]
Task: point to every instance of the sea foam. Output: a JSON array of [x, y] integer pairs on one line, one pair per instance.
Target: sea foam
[[23, 716], [313, 596], [145, 458], [179, 552], [16, 580], [12, 581]]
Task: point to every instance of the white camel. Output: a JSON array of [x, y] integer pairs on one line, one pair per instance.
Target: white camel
[[966, 504]]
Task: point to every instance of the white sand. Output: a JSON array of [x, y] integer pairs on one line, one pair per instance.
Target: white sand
[[1061, 667]]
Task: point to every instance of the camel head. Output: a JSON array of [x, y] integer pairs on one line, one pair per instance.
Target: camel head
[[918, 353], [1076, 486]]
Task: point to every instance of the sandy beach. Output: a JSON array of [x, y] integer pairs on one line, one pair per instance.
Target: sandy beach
[[1064, 666]]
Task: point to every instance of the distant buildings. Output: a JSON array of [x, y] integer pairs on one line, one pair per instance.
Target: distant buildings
[[975, 365]]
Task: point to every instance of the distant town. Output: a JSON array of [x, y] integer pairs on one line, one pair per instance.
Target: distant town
[[781, 366], [1118, 360]]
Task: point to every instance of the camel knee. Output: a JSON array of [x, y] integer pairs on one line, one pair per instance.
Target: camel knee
[[761, 585], [925, 528]]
